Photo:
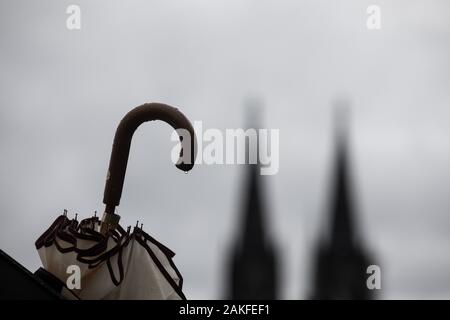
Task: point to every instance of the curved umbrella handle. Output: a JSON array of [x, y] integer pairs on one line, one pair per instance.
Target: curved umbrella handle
[[121, 149]]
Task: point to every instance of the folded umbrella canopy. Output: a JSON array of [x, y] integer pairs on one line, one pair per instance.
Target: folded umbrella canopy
[[115, 263]]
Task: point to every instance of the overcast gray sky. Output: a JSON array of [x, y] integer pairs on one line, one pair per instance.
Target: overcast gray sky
[[62, 94]]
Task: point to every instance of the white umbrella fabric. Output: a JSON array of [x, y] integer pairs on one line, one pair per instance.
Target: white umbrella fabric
[[121, 265]]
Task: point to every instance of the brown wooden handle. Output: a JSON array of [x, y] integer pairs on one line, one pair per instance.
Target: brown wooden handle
[[122, 141]]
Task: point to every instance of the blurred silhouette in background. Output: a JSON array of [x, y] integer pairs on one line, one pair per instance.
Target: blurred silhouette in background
[[340, 260], [253, 267]]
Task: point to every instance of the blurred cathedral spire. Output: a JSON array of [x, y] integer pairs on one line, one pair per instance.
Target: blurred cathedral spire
[[253, 272], [341, 261], [342, 203]]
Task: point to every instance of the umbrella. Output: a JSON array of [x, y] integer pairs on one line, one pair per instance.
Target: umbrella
[[114, 263]]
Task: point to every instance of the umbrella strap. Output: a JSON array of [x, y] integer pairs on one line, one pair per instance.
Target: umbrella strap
[[119, 264]]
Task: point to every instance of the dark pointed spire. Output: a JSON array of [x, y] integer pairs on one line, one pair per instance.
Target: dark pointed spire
[[341, 262], [253, 204], [342, 203], [253, 265], [254, 222]]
